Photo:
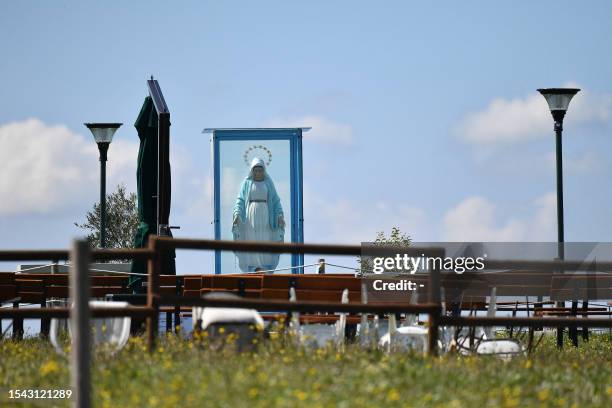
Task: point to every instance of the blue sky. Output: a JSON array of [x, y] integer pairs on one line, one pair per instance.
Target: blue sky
[[424, 116]]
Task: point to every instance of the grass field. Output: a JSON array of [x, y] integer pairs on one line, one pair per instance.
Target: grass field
[[184, 373]]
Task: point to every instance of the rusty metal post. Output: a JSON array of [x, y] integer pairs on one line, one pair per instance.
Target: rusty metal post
[[321, 267], [177, 309], [79, 317], [152, 294], [17, 324], [585, 330], [169, 322], [434, 298], [573, 331], [45, 323]]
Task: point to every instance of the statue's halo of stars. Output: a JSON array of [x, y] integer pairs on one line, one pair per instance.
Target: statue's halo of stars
[[249, 154]]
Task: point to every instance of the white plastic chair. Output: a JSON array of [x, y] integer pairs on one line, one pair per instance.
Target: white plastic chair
[[364, 326], [466, 343], [341, 322], [208, 316], [317, 334], [405, 337], [502, 348], [294, 323], [113, 331], [408, 336], [487, 344], [245, 323]]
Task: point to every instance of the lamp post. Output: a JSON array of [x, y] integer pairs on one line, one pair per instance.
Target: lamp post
[[103, 135], [558, 100]]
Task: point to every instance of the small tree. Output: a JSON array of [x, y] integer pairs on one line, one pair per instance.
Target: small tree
[[121, 220], [396, 238]]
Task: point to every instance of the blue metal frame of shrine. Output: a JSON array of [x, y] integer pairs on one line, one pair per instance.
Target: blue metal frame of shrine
[[294, 137]]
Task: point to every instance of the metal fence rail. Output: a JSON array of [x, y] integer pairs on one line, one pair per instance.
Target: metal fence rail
[[523, 321], [64, 312], [298, 306]]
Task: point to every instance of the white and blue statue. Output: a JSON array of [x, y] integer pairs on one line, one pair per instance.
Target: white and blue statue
[[258, 216]]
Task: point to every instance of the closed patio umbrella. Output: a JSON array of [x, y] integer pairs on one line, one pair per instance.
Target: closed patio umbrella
[[146, 176]]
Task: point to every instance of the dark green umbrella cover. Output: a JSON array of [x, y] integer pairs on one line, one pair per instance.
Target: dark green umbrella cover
[[146, 176]]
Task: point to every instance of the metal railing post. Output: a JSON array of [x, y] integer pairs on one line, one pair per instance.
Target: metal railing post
[[17, 324], [152, 289], [321, 267], [79, 317], [434, 298]]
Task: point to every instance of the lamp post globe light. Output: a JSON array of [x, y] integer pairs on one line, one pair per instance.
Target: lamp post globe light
[[103, 135], [558, 100]]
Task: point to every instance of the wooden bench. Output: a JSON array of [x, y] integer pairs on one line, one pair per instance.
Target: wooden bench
[[242, 285], [521, 283], [575, 286], [321, 288], [9, 294], [38, 288], [180, 285]]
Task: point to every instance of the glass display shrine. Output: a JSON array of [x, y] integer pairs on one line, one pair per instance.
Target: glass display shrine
[[258, 179]]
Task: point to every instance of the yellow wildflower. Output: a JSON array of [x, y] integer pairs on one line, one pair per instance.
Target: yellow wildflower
[[393, 395], [49, 367], [543, 394]]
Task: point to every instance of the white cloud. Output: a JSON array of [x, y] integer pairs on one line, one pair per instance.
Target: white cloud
[[521, 119], [585, 163], [230, 186], [201, 197], [342, 220], [476, 219], [544, 224], [323, 130], [49, 168], [194, 207]]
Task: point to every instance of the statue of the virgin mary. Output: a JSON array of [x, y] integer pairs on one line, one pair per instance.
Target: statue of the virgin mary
[[258, 216]]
